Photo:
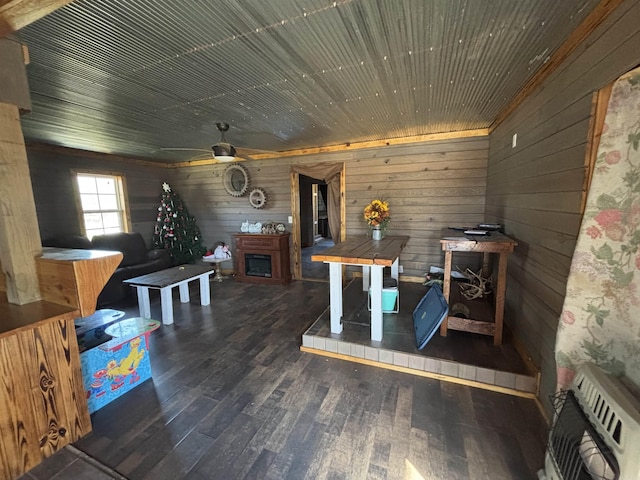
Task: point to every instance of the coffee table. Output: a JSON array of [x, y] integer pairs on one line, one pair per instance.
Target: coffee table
[[165, 280]]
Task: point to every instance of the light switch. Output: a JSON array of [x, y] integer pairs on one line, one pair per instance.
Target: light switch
[[290, 219]]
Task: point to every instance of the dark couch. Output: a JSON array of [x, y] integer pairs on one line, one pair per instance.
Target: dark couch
[[138, 260]]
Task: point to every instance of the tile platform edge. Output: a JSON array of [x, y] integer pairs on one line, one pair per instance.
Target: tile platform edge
[[531, 394]]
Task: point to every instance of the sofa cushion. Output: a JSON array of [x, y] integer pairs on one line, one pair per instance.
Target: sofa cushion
[[68, 241], [131, 245]]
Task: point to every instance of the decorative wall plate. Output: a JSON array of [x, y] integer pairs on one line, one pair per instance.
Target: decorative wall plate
[[257, 198], [280, 228], [235, 180]]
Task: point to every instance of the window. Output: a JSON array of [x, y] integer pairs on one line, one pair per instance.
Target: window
[[102, 203]]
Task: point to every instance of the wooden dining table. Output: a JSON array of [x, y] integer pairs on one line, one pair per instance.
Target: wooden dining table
[[373, 256]]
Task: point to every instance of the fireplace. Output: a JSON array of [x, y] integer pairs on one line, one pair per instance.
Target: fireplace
[[262, 258], [257, 265]]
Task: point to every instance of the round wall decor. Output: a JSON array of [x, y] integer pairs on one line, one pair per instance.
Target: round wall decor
[[257, 198], [235, 180]]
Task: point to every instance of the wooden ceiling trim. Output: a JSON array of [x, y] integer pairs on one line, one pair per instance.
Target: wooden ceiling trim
[[16, 14], [431, 137], [580, 34]]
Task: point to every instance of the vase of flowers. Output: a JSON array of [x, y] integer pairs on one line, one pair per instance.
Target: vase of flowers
[[378, 217]]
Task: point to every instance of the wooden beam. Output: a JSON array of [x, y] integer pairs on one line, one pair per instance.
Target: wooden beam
[[16, 14], [14, 86], [580, 34], [430, 137], [19, 232]]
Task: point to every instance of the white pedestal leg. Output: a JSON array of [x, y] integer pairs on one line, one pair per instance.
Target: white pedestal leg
[[376, 302], [167, 305], [365, 278], [335, 296], [184, 292], [143, 302], [205, 292]]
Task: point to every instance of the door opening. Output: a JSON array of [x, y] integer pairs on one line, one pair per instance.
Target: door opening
[[313, 214]]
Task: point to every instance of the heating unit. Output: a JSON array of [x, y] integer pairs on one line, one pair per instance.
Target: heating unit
[[596, 430]]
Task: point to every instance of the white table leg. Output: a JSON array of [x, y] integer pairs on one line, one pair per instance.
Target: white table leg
[[184, 291], [376, 302], [395, 269], [365, 278], [143, 302], [205, 292], [167, 305], [335, 296]]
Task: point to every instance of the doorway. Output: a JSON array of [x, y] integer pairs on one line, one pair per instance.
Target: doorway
[[317, 205], [315, 235]]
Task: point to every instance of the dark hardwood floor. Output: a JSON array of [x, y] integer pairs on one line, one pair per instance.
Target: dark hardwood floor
[[315, 270], [233, 397]]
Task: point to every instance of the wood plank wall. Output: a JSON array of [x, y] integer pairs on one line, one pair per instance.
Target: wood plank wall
[[53, 189], [428, 185], [535, 188]]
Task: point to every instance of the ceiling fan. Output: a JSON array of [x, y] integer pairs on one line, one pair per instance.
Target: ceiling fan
[[223, 151]]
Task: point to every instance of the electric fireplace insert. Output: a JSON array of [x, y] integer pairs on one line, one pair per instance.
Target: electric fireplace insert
[[257, 265]]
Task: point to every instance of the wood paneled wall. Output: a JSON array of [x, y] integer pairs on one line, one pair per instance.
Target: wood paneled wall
[[535, 189], [429, 186], [53, 188]]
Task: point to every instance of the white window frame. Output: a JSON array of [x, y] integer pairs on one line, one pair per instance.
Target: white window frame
[[122, 208]]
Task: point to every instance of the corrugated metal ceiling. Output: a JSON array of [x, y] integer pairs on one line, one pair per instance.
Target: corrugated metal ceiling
[[131, 77]]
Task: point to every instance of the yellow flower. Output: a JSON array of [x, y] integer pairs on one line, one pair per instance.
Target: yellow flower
[[377, 213]]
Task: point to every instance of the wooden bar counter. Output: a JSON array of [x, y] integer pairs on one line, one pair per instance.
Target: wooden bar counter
[[42, 398], [497, 243], [372, 256]]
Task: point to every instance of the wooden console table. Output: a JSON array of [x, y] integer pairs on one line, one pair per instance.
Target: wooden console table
[[276, 246], [496, 242]]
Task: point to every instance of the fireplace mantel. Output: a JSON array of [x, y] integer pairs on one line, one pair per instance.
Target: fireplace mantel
[[276, 246]]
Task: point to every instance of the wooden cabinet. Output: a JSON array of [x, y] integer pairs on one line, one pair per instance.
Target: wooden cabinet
[[42, 397], [262, 258], [486, 319]]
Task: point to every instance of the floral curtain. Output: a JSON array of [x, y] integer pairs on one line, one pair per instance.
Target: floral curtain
[[600, 320]]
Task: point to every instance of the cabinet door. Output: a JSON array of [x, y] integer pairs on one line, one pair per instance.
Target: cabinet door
[[41, 395]]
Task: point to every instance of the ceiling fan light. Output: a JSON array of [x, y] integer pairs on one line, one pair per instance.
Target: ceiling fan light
[[225, 158], [224, 152]]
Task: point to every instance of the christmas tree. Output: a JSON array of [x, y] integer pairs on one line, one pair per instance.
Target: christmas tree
[[176, 230]]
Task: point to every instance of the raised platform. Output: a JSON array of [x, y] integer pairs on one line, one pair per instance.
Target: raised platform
[[459, 357]]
